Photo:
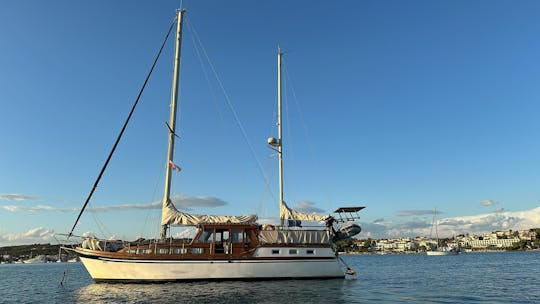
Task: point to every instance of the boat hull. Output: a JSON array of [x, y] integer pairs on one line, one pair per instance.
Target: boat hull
[[122, 270], [439, 253]]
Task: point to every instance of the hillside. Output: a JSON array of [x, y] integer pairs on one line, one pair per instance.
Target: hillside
[[23, 252]]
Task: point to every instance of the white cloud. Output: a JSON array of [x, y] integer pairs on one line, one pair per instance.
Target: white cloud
[[488, 203], [154, 205], [308, 207], [417, 212], [477, 224], [186, 201], [180, 201], [18, 197], [34, 235], [15, 208]]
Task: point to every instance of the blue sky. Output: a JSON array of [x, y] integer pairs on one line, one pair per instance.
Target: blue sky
[[401, 106]]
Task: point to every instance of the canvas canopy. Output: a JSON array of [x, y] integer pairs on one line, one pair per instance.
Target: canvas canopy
[[171, 216], [294, 237]]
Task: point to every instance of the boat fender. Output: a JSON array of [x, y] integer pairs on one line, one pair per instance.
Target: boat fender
[[269, 227]]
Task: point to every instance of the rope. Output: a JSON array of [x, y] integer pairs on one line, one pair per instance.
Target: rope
[[104, 231], [309, 141], [231, 108], [349, 271], [123, 129], [64, 275]]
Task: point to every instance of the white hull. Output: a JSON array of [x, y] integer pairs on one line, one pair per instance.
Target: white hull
[[441, 252], [264, 264], [104, 269]]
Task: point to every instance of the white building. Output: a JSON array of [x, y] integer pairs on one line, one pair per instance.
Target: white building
[[493, 243]]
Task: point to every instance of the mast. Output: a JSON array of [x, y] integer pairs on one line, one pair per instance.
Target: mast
[[276, 144], [172, 120], [280, 144], [436, 227]]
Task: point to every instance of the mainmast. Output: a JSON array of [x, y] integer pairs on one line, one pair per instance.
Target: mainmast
[[277, 143], [172, 120], [436, 227]]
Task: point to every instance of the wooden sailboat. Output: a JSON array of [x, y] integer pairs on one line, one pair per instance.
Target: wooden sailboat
[[224, 247], [440, 250]]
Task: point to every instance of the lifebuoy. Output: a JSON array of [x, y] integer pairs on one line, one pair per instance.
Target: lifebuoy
[[268, 227]]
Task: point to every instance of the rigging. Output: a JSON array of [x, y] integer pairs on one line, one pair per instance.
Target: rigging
[[122, 130]]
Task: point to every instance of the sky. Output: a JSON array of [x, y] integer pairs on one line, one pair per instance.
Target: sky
[[399, 106]]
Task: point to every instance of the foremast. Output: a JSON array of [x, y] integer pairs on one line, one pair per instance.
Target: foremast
[[172, 119]]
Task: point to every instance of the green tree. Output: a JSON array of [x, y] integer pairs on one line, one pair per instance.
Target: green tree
[[521, 245], [344, 245], [366, 246]]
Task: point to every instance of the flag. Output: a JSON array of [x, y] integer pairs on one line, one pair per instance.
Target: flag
[[174, 166]]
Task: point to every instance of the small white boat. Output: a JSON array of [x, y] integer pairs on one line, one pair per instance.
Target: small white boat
[[440, 250], [36, 260], [443, 251]]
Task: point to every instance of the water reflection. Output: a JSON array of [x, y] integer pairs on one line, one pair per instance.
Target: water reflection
[[285, 291]]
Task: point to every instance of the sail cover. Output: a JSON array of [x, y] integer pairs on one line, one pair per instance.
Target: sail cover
[[171, 216], [287, 213]]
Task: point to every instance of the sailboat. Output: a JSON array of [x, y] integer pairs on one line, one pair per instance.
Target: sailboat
[[223, 247], [440, 250]]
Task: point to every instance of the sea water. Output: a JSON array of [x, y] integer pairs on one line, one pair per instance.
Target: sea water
[[504, 277]]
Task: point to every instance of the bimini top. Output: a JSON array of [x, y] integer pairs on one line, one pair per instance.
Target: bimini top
[[348, 209]]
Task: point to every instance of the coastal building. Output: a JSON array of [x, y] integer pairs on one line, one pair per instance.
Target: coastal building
[[493, 243], [494, 240]]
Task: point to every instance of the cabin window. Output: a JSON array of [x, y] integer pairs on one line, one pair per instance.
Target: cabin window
[[197, 250], [275, 251], [130, 251], [163, 250], [206, 236], [179, 250], [310, 251], [222, 241], [237, 235], [222, 235], [144, 251], [293, 251]]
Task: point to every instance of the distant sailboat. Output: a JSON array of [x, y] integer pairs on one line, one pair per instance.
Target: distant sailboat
[[224, 247], [440, 250]]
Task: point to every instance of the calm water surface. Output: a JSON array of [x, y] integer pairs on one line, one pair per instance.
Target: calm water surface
[[467, 278]]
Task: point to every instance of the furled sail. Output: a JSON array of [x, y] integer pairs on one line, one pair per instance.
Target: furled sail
[[171, 216], [287, 213]]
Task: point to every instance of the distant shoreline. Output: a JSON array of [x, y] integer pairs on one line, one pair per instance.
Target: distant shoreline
[[35, 253], [411, 252]]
